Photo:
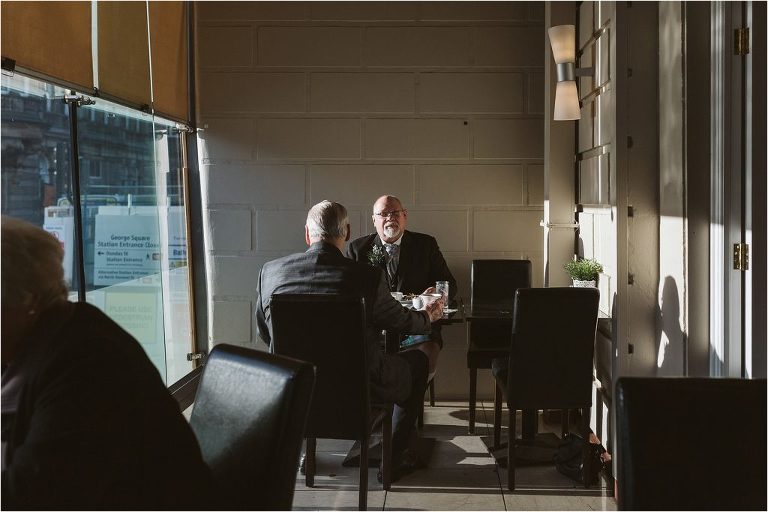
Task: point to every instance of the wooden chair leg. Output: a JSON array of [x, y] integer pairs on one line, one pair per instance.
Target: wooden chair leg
[[511, 450], [564, 429], [420, 417], [497, 399], [432, 392], [386, 452], [599, 413], [309, 462], [587, 467], [363, 489], [472, 398], [530, 424]]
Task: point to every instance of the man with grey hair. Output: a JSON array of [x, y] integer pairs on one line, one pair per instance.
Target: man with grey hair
[[87, 420], [323, 269]]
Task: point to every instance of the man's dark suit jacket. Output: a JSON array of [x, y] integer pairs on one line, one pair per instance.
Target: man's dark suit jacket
[[94, 426], [323, 269], [421, 265]]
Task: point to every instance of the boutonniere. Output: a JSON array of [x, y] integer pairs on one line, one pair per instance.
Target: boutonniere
[[376, 256]]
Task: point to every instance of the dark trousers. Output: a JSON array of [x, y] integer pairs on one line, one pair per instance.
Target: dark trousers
[[406, 412]]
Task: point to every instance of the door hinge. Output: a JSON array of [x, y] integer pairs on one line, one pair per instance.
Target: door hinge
[[741, 41], [78, 100], [741, 257], [195, 356], [183, 128]]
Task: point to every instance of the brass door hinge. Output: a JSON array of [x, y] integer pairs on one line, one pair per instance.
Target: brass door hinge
[[741, 257], [741, 41]]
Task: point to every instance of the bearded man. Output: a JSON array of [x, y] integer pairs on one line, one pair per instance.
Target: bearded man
[[412, 262]]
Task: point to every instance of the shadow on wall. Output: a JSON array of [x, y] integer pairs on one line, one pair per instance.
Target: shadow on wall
[[670, 339]]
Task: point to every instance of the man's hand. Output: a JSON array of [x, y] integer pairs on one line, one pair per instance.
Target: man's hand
[[435, 310], [429, 290]]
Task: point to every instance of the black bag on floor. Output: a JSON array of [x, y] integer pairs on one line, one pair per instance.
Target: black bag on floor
[[569, 462]]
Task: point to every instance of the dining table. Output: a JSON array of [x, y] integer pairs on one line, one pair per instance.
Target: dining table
[[455, 315]]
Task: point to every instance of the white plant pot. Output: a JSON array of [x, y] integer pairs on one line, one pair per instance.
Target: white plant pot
[[584, 284]]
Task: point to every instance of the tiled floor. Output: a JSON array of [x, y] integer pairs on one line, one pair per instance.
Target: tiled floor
[[461, 475]]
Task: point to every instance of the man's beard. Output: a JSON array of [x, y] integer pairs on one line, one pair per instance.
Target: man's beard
[[392, 231]]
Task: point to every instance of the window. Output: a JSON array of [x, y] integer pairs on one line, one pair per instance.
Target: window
[[36, 160], [134, 249]]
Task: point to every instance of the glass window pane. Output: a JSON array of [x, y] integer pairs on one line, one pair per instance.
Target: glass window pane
[[174, 263], [36, 175], [132, 231]]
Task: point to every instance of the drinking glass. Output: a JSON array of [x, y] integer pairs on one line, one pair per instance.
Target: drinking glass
[[442, 287]]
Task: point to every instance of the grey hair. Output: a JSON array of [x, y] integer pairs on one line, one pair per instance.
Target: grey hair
[[327, 220], [32, 271]]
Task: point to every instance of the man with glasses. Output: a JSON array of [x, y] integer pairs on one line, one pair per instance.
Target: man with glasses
[[412, 262]]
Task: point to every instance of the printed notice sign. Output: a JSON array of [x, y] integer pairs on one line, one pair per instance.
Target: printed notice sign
[[60, 223], [127, 248], [134, 312]]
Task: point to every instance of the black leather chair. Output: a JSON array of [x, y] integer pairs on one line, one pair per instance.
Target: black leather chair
[[550, 360], [494, 283], [329, 331], [691, 443], [249, 416]]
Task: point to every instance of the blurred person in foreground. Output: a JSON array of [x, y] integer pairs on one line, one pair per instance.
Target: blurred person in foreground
[[323, 269], [87, 422]]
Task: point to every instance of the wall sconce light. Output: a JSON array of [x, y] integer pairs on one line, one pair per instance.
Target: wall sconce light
[[563, 41]]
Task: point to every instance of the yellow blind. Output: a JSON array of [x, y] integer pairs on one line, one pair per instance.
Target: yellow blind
[[124, 51], [168, 37], [50, 38]]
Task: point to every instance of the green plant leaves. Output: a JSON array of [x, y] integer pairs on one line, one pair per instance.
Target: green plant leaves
[[583, 270]]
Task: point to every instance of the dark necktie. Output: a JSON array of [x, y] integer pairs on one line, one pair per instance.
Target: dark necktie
[[392, 251]]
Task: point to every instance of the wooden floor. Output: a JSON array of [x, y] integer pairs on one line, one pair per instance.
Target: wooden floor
[[461, 475]]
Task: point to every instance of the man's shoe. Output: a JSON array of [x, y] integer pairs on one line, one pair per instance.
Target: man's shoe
[[303, 464], [406, 464]]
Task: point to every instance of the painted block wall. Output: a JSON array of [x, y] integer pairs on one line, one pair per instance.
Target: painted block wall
[[439, 103]]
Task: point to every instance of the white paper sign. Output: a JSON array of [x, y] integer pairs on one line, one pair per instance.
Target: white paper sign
[[127, 247], [59, 222]]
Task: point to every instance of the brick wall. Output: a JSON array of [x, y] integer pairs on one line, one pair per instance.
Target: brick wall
[[439, 103]]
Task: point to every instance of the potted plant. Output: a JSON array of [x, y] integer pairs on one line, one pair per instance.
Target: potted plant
[[583, 272]]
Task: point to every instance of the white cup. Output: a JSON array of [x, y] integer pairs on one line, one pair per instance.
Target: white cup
[[417, 302]]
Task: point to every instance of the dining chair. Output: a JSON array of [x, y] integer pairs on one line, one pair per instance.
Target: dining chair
[[493, 285], [549, 365], [248, 416], [329, 331], [691, 443]]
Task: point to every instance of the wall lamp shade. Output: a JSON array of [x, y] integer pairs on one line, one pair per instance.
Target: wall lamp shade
[[566, 102], [563, 41]]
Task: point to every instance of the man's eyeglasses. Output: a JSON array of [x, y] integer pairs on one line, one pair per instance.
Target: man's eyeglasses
[[393, 213]]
